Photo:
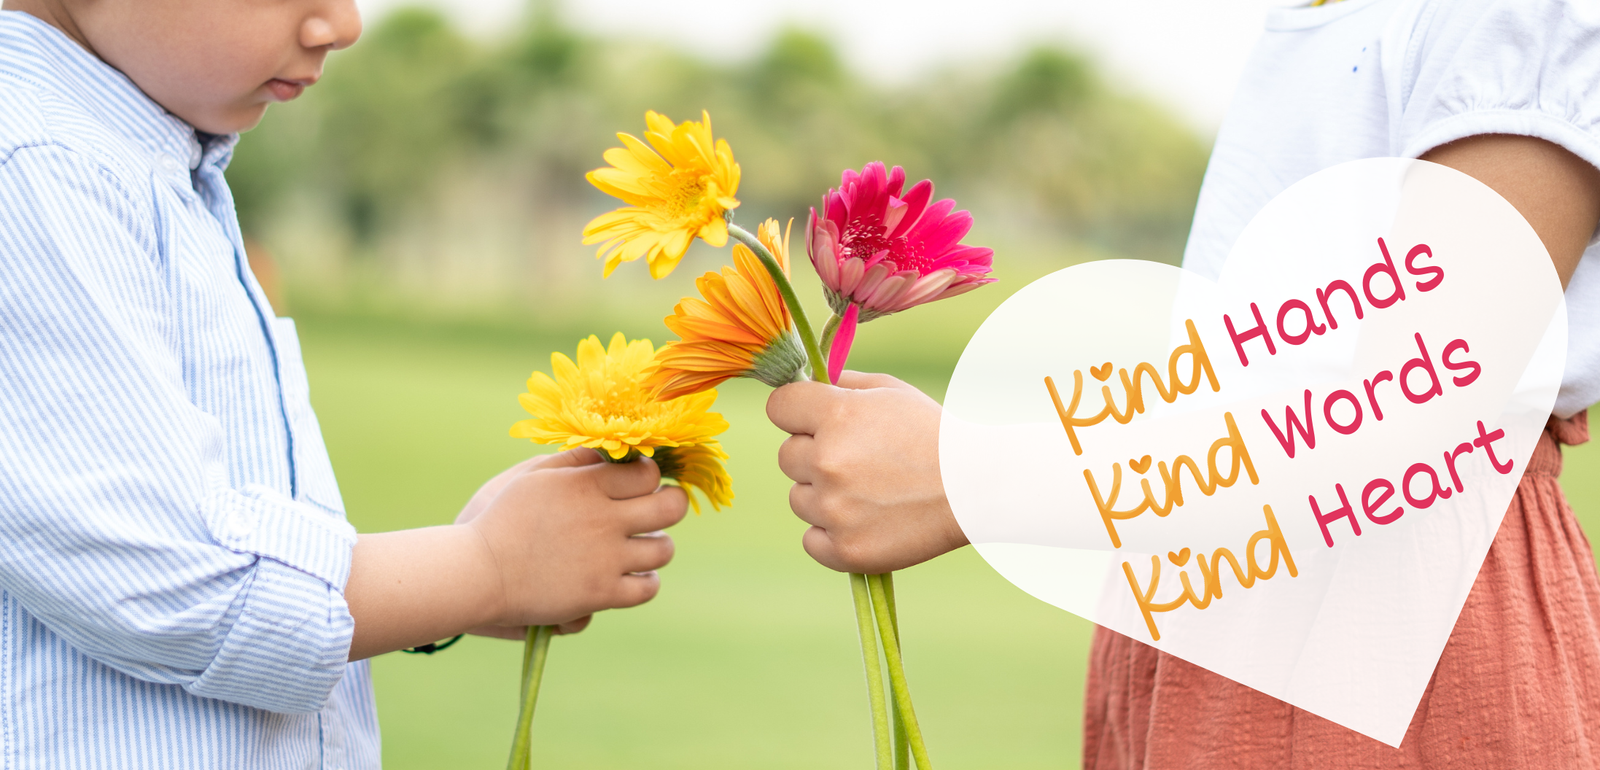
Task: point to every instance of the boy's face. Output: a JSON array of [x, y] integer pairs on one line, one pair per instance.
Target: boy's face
[[215, 63]]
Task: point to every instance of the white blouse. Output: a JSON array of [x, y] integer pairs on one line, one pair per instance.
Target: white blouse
[[1397, 78]]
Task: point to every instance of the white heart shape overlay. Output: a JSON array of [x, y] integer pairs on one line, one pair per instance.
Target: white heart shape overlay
[[1423, 411]]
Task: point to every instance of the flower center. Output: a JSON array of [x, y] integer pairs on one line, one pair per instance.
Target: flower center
[[865, 238], [617, 402], [687, 190]]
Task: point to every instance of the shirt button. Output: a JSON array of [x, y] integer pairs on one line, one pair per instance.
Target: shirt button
[[169, 164]]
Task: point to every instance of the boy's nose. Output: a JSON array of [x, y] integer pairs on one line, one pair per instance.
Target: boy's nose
[[333, 25]]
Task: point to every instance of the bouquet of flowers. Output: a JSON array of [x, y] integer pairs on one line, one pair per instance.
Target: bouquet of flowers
[[878, 247]]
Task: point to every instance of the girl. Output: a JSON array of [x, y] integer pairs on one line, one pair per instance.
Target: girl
[[1507, 91]]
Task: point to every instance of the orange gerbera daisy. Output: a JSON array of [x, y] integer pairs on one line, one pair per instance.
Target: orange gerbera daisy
[[739, 328]]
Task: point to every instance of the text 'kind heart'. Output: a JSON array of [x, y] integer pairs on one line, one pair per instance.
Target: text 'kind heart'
[[1332, 430]]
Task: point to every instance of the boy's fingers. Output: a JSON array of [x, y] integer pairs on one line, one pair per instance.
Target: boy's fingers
[[634, 590], [651, 513], [797, 458], [622, 481], [864, 380], [572, 626], [520, 633], [513, 633], [799, 407], [568, 458], [647, 553]]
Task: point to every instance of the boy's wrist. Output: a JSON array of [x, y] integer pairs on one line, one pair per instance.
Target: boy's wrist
[[488, 577], [418, 586]]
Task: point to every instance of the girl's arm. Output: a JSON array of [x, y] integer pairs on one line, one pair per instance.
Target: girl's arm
[[1556, 191]]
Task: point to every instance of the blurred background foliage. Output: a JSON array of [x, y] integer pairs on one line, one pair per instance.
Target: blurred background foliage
[[420, 213], [442, 174]]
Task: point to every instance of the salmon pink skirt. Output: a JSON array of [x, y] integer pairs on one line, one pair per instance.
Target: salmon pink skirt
[[1518, 684]]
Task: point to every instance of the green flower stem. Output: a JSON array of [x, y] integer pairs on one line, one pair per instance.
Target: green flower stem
[[828, 330], [869, 657], [533, 655], [819, 365], [897, 673], [902, 759]]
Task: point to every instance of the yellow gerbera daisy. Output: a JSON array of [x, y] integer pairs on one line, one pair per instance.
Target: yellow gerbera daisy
[[602, 402], [698, 467], [739, 328], [678, 187]]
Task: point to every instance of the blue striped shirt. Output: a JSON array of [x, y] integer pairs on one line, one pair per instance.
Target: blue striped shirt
[[173, 548]]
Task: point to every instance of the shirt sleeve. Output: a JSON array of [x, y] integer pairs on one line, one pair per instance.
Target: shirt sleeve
[[1460, 68], [119, 529]]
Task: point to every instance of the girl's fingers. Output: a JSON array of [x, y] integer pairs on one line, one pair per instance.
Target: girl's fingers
[[797, 458], [799, 407], [820, 546], [806, 503], [863, 380]]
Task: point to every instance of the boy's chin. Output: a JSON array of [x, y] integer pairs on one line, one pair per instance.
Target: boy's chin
[[226, 120]]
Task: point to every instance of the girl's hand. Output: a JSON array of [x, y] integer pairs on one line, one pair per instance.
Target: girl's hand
[[865, 460]]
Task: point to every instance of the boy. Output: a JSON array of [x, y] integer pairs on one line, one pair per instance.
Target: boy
[[1502, 90], [180, 586]]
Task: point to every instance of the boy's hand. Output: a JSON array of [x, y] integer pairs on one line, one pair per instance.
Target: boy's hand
[[865, 460], [476, 506], [571, 535], [548, 542]]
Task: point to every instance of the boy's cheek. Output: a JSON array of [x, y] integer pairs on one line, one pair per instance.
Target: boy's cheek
[[207, 63]]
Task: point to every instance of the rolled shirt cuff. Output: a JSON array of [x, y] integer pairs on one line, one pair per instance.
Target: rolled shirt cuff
[[261, 521], [288, 648], [290, 643]]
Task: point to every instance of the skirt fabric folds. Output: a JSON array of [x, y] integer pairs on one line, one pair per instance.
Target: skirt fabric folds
[[1518, 684]]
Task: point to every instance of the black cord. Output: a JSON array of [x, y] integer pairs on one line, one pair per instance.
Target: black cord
[[433, 647]]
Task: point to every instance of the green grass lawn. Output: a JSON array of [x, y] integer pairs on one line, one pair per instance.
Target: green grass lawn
[[748, 659]]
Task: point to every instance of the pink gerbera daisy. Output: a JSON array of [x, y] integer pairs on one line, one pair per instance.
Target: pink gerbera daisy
[[880, 251]]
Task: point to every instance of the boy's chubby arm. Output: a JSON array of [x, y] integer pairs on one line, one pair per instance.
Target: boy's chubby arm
[[548, 542], [864, 456]]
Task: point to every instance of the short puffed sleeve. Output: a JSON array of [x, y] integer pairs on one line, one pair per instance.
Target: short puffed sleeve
[[1460, 68]]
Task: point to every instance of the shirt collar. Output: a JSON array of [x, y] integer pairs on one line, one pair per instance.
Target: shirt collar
[[44, 55]]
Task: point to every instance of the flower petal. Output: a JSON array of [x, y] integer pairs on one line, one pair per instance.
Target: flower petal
[[843, 338]]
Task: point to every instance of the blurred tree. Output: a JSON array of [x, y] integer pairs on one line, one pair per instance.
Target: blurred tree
[[457, 164], [1047, 81], [394, 111]]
